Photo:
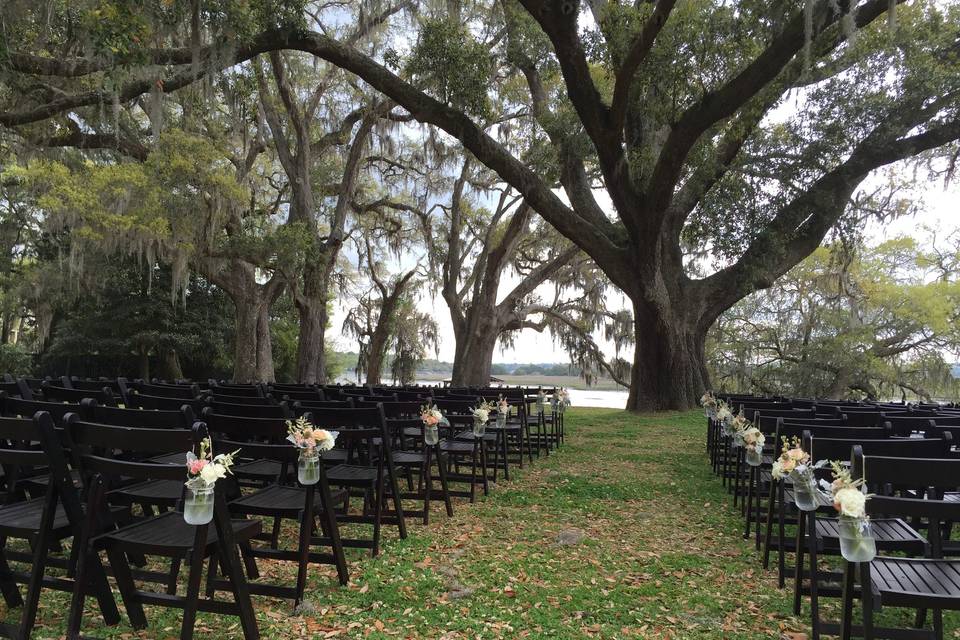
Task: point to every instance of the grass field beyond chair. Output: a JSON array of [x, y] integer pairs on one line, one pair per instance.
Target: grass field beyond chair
[[622, 533]]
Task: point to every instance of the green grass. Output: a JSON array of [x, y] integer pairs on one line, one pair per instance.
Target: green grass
[[663, 557]]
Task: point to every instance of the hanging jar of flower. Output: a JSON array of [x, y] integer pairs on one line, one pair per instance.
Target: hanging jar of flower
[[753, 441], [310, 441], [503, 409], [432, 419], [481, 413], [203, 471], [794, 463], [541, 401], [857, 542], [563, 401], [709, 404]]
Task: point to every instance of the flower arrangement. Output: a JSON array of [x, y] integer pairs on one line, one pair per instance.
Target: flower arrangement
[[204, 471], [738, 424], [857, 543], [795, 463], [709, 404], [563, 399], [848, 497], [432, 419], [431, 416], [503, 410], [307, 437], [753, 441], [481, 412], [724, 415]]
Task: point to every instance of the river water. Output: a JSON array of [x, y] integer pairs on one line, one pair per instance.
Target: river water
[[578, 397]]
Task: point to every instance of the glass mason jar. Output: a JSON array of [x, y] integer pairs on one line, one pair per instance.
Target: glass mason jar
[[540, 405], [479, 427], [857, 543], [198, 507], [561, 407], [308, 467], [753, 456], [805, 492], [501, 419], [711, 413], [737, 438], [431, 434]]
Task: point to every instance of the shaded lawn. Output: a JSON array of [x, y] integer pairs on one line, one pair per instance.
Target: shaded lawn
[[662, 557]]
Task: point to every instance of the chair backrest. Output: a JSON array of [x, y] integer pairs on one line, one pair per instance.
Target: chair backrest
[[453, 407], [163, 403], [53, 393], [109, 449], [911, 488], [262, 401], [357, 423], [796, 430], [752, 412], [18, 457], [290, 395], [187, 392], [842, 448], [863, 418], [281, 410], [243, 390], [267, 428], [17, 407], [301, 407], [769, 423], [397, 409], [90, 411]]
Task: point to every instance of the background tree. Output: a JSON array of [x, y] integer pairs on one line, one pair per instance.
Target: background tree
[[874, 322], [679, 143]]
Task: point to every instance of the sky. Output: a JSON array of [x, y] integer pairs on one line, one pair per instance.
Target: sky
[[941, 213]]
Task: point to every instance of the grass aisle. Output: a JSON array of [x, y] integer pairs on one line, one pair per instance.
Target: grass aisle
[[662, 556]]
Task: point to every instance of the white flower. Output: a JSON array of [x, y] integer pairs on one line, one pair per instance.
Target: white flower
[[850, 502], [481, 414], [213, 472], [777, 470]]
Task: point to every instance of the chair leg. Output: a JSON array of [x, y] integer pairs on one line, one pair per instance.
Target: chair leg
[[866, 597], [846, 612], [35, 585], [238, 583], [798, 564], [814, 582], [426, 473], [131, 602], [11, 595], [483, 465], [328, 522], [443, 483], [378, 514], [303, 555], [174, 574]]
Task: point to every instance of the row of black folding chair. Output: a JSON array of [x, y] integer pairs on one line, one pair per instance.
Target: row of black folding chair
[[818, 536]]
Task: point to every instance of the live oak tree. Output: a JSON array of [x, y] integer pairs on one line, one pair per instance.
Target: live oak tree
[[849, 321], [698, 122]]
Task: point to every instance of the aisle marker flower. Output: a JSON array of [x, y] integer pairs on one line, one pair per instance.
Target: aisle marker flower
[[305, 435], [205, 470], [857, 543]]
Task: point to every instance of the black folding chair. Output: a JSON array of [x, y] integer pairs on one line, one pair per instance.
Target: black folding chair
[[166, 535]]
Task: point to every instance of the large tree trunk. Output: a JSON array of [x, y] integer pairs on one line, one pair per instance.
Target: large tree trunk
[[474, 358], [245, 339], [669, 370], [377, 352], [265, 370], [312, 308]]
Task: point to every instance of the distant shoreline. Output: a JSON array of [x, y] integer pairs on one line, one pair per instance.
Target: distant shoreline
[[569, 382]]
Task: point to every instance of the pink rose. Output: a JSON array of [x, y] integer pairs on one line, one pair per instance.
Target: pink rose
[[194, 466]]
